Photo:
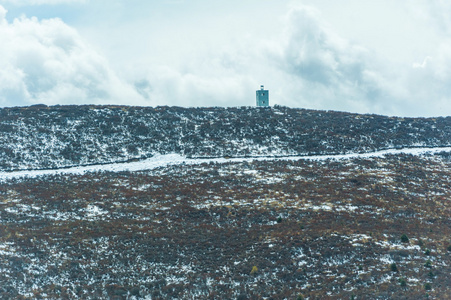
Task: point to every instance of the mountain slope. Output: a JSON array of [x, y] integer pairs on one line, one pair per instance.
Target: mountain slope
[[330, 229], [40, 137], [349, 227]]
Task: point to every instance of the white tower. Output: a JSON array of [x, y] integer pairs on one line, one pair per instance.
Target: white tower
[[262, 97]]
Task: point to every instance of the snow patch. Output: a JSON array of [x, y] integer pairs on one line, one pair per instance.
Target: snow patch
[[158, 161]]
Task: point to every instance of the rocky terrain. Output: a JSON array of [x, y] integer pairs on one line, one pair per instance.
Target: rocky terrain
[[341, 227]]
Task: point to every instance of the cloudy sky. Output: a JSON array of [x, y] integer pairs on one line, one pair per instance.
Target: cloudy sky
[[367, 56]]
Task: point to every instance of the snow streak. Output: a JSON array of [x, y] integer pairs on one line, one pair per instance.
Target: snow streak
[[158, 161]]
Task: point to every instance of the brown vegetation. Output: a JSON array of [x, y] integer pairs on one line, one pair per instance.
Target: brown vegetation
[[275, 230]]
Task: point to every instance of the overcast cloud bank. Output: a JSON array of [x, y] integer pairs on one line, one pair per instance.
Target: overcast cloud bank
[[310, 65], [48, 62]]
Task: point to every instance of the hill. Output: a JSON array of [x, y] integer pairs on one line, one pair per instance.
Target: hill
[[335, 227], [40, 137], [375, 228]]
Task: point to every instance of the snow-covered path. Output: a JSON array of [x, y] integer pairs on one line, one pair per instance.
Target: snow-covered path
[[176, 159]]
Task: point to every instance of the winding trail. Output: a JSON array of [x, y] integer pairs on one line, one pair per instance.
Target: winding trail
[[176, 159]]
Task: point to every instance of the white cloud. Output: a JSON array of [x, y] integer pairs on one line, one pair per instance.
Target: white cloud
[[310, 66], [3, 12], [325, 70], [169, 85], [435, 13], [40, 2], [48, 62], [319, 69]]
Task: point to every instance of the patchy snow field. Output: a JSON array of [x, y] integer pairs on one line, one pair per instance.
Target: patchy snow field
[[158, 161], [327, 227]]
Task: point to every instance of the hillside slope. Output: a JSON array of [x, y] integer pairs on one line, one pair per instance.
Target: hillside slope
[[40, 137], [375, 228]]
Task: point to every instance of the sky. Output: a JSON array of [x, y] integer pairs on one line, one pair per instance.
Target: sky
[[364, 56]]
